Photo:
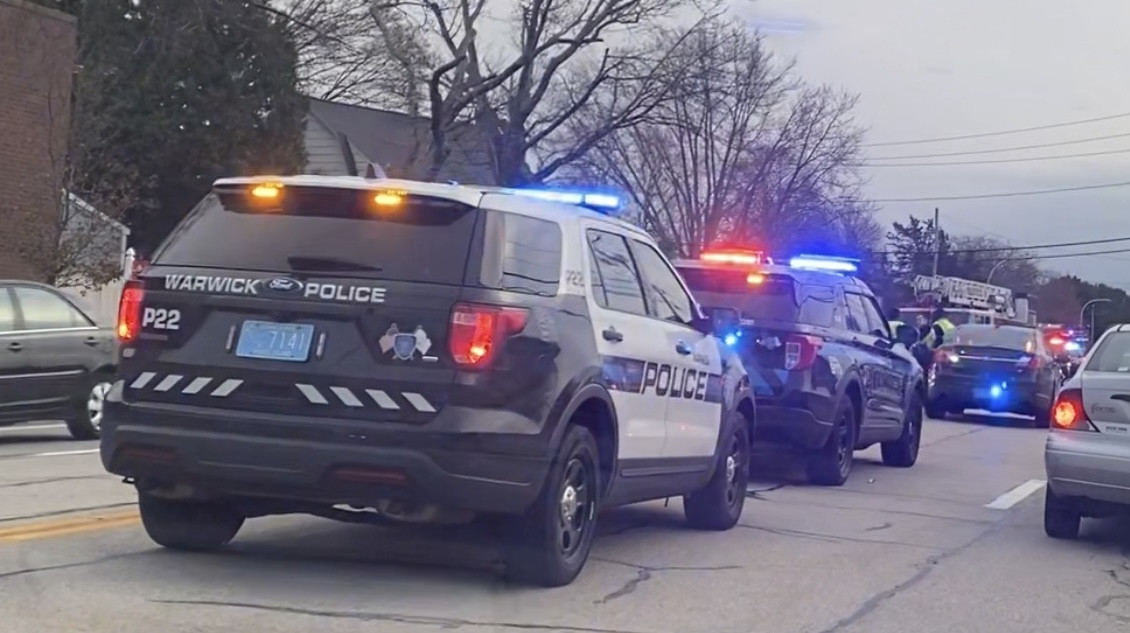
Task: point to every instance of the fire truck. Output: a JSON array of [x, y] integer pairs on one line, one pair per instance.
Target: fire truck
[[967, 301]]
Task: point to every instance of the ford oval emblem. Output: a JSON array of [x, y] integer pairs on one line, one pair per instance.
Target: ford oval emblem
[[283, 284]]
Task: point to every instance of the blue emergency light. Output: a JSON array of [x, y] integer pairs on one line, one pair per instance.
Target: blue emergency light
[[825, 263], [596, 201]]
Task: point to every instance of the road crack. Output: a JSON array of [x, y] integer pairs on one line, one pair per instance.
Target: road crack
[[50, 480], [645, 573], [835, 538], [64, 566], [55, 513], [399, 618]]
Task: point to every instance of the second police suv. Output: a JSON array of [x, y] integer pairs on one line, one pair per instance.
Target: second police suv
[[828, 375], [360, 347]]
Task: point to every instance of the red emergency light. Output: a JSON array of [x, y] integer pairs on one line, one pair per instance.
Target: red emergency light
[[733, 257]]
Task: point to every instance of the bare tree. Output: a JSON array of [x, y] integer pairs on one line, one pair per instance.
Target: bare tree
[[740, 150], [571, 59], [358, 51]]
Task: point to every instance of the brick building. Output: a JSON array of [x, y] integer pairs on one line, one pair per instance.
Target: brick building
[[37, 61]]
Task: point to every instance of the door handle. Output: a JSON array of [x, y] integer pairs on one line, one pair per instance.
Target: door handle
[[15, 346], [683, 348], [91, 341], [612, 335]]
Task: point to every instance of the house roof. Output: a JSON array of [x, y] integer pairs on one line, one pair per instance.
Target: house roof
[[401, 143]]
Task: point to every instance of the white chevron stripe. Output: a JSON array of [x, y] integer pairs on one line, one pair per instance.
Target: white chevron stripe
[[382, 399], [420, 402], [346, 396], [196, 385], [312, 394], [226, 388], [168, 382], [143, 379]]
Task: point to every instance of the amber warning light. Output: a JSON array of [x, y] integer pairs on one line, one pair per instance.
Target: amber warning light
[[266, 191], [741, 258]]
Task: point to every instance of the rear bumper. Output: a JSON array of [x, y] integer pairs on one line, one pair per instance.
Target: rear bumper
[[803, 421], [961, 392], [322, 461], [1083, 466]]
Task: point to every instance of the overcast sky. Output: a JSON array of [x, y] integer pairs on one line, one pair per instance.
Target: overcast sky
[[939, 68]]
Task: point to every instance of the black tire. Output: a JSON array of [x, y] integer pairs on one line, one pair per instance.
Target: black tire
[[903, 452], [86, 422], [1061, 519], [718, 506], [935, 409], [831, 465], [188, 525], [551, 542]]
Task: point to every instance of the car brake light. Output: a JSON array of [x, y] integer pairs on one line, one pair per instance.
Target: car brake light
[[755, 279], [801, 351], [747, 258], [477, 330], [129, 311], [1068, 412]]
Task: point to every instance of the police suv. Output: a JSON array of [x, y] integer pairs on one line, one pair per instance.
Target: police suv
[[828, 378], [372, 349]]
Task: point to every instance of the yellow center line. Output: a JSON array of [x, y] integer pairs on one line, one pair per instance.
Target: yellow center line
[[69, 525]]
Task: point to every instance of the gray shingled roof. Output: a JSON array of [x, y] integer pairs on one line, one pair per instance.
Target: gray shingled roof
[[400, 143]]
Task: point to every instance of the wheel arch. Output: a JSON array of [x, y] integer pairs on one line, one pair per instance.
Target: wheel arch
[[592, 407]]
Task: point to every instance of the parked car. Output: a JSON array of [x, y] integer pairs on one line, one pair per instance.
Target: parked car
[[1087, 455], [827, 376], [56, 362], [999, 368]]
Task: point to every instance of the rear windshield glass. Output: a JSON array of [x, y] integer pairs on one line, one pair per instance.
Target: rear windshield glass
[[766, 297], [989, 336], [1113, 354], [332, 231]]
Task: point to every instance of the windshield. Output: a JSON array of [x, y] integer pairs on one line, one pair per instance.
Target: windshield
[[754, 295], [1013, 338]]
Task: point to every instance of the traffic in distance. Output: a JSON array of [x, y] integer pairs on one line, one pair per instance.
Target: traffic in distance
[[289, 350]]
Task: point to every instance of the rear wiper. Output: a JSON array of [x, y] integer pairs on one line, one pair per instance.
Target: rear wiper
[[298, 262]]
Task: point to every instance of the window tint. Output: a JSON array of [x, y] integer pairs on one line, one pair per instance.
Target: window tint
[[856, 314], [619, 283], [1113, 354], [875, 322], [818, 305], [1015, 338], [667, 299], [44, 310], [7, 311], [423, 239], [521, 254]]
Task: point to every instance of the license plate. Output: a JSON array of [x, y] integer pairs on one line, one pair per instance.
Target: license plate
[[275, 341]]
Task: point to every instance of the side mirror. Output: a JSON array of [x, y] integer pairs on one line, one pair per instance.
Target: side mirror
[[720, 321], [907, 335]]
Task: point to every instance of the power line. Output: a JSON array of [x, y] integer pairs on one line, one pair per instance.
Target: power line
[[1063, 255], [1004, 149], [1033, 247], [962, 137], [1009, 194], [995, 160]]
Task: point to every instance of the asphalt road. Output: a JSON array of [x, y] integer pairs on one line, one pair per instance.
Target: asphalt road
[[950, 546]]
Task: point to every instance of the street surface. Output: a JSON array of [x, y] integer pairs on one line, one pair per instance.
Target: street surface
[[953, 545]]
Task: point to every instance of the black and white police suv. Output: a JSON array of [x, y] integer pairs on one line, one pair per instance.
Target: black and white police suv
[[374, 349], [828, 378]]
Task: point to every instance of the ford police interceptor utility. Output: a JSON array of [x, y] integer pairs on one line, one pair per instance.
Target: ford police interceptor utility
[[373, 349], [827, 376]]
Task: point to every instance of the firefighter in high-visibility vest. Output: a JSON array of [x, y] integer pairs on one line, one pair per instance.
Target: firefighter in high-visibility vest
[[941, 330]]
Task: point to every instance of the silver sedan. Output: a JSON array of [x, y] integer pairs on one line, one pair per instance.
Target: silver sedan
[[1087, 454]]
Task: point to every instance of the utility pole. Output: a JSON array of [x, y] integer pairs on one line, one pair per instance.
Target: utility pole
[[937, 243]]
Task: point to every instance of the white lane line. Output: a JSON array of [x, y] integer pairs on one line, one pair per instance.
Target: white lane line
[[1016, 495], [85, 451], [31, 427]]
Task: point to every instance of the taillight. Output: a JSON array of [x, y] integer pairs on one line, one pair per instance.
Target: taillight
[[945, 357], [801, 351], [478, 330], [129, 311], [1068, 412]]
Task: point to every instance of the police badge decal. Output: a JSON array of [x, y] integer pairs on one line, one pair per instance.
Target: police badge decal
[[405, 345]]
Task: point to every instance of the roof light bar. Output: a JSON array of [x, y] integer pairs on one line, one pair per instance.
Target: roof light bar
[[742, 258], [597, 201], [825, 263]]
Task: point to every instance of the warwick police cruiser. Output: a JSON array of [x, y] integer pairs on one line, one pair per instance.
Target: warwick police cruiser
[[377, 350]]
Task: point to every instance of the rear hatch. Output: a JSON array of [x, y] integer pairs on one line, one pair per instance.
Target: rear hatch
[[774, 341], [1105, 383], [314, 302]]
